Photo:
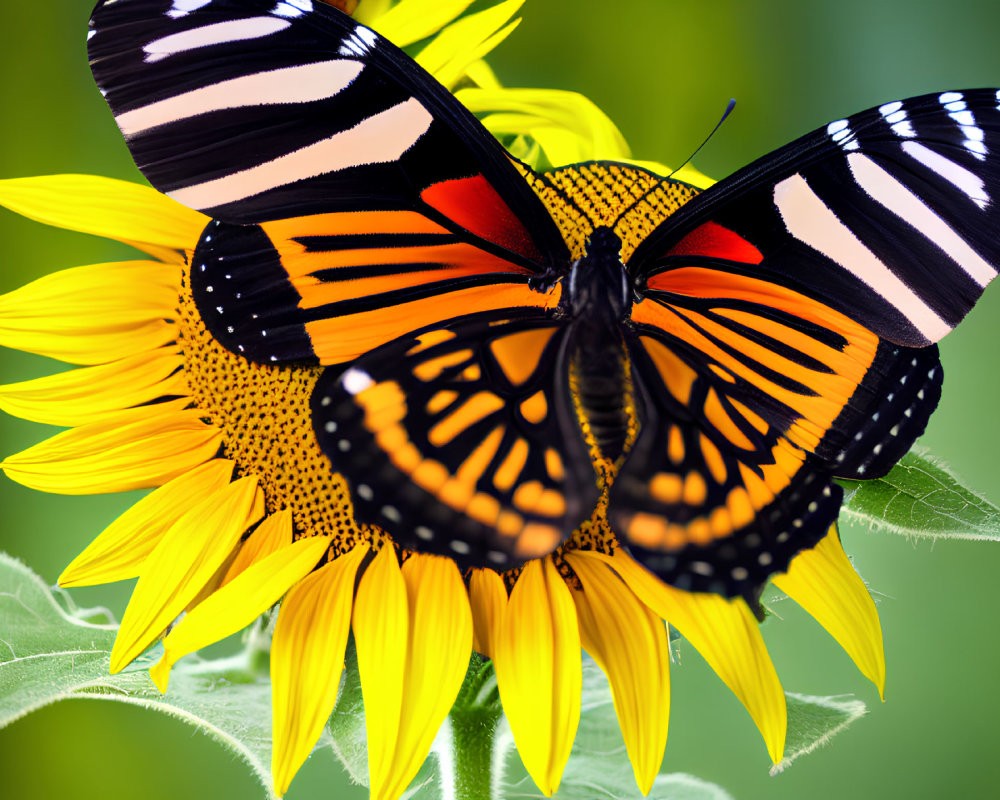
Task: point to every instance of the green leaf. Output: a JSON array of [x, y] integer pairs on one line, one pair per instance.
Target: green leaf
[[921, 497], [813, 721], [48, 653], [346, 726]]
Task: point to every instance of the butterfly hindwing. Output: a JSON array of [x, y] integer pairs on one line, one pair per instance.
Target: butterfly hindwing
[[722, 485], [463, 439], [371, 187]]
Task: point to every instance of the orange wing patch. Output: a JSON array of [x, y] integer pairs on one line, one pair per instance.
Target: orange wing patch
[[518, 353], [364, 278]]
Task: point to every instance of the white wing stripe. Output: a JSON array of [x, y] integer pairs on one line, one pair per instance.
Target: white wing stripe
[[811, 221], [301, 84], [960, 177], [380, 138], [182, 8], [207, 35], [885, 189]]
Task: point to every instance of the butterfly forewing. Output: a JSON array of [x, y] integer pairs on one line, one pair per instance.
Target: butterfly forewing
[[888, 216], [463, 439], [376, 189]]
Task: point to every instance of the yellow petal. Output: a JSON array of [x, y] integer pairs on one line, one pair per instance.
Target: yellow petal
[[568, 125], [823, 581], [370, 13], [488, 598], [134, 449], [451, 52], [539, 671], [629, 643], [482, 75], [129, 212], [240, 602], [381, 625], [186, 558], [412, 20], [119, 552], [272, 535], [80, 396], [440, 643], [93, 314], [307, 658], [728, 638]]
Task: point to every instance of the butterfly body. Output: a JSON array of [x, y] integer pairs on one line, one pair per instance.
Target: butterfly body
[[491, 340], [598, 300]]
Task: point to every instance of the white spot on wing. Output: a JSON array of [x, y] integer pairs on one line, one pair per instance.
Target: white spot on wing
[[293, 8], [181, 8], [841, 133], [359, 42], [356, 380], [954, 104], [895, 116]]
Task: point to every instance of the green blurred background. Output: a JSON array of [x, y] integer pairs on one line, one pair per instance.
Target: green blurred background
[[663, 70]]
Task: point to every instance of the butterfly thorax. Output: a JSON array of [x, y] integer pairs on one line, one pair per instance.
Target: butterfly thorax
[[598, 297], [597, 288]]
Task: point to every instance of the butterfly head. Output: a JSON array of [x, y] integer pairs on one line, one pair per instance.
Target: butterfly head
[[598, 285]]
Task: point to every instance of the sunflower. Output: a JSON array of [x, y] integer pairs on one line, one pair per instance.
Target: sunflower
[[246, 511]]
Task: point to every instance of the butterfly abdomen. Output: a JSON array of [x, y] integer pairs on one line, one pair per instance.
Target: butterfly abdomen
[[600, 385], [598, 299]]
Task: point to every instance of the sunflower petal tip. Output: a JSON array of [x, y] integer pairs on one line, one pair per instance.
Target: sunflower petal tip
[[159, 673], [117, 663], [776, 752]]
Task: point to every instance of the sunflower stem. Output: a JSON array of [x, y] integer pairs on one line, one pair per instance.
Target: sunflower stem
[[474, 720]]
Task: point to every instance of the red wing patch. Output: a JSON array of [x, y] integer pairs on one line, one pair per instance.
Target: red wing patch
[[475, 205], [715, 241]]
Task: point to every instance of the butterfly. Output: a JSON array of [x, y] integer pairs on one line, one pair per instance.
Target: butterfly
[[777, 331]]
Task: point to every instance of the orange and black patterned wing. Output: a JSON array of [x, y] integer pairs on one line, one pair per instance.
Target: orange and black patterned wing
[[355, 198], [785, 332], [751, 397], [463, 439]]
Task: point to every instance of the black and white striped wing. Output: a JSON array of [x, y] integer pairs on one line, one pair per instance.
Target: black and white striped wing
[[889, 216], [251, 110], [358, 198]]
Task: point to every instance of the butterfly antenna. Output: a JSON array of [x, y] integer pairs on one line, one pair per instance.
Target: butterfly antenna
[[729, 107]]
